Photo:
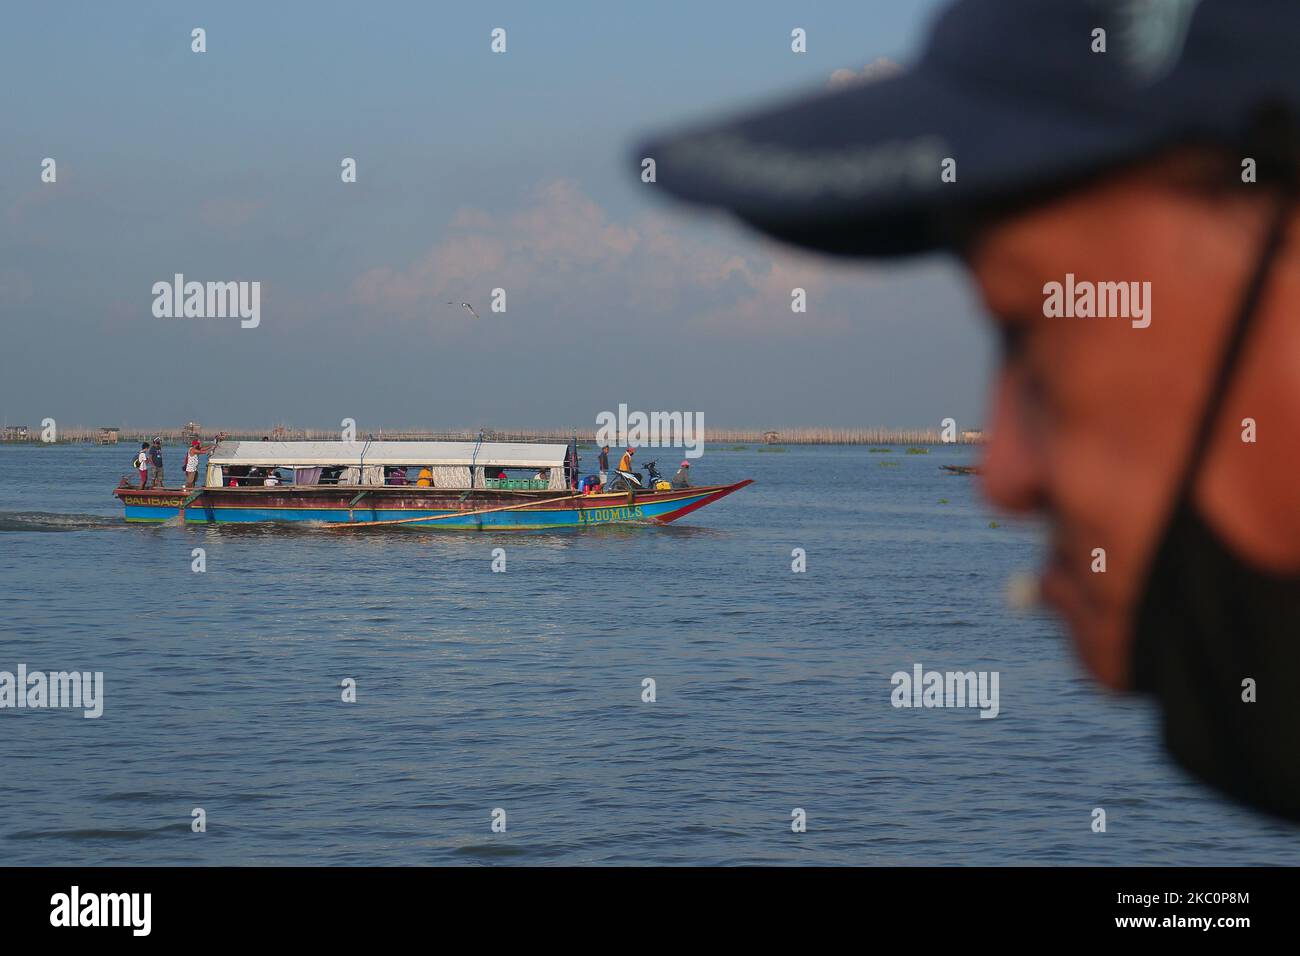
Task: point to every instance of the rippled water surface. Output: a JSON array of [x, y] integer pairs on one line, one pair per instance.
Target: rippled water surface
[[522, 690]]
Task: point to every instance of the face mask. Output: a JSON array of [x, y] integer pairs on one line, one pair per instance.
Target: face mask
[[1212, 634], [1217, 642]]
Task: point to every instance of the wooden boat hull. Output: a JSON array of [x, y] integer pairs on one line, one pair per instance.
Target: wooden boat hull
[[350, 504]]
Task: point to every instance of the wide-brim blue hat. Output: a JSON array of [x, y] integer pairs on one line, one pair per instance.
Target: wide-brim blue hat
[[1009, 99]]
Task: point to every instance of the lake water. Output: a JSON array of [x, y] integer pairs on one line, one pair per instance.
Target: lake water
[[522, 690]]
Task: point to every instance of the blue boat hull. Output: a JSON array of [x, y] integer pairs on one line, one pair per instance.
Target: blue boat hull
[[407, 506]]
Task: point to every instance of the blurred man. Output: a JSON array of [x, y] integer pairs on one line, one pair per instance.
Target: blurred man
[[683, 477], [1119, 176]]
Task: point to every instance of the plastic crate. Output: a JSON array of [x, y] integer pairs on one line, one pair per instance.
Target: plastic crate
[[516, 484]]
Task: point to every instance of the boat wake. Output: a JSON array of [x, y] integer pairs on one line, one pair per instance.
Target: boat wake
[[49, 521]]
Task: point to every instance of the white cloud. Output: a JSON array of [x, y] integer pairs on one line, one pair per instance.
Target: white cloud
[[877, 69], [564, 250]]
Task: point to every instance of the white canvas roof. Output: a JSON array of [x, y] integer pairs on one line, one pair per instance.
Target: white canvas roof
[[310, 454]]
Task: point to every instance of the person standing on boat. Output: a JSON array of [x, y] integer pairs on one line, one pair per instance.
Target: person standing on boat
[[602, 464], [682, 478], [156, 463], [1169, 160], [192, 461], [142, 465], [625, 463]]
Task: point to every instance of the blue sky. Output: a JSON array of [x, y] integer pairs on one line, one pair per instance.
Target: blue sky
[[475, 171]]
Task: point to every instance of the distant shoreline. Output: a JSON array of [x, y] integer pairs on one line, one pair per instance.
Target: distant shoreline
[[812, 435]]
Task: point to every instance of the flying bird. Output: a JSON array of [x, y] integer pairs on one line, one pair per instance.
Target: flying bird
[[468, 308]]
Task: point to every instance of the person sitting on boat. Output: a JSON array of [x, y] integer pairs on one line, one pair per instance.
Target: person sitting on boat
[[591, 484], [425, 478], [543, 474], [682, 478], [272, 478], [397, 476], [625, 463]]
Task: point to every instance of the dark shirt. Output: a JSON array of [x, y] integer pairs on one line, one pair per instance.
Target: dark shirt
[[680, 480], [604, 461], [155, 456]]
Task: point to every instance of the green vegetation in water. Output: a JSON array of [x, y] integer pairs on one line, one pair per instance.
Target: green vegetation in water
[[918, 451], [943, 501], [772, 448], [887, 464], [880, 451], [993, 524], [738, 448]]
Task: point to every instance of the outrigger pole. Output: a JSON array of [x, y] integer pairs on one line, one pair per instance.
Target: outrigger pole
[[458, 514]]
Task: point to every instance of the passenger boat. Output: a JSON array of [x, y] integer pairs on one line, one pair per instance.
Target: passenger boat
[[360, 484]]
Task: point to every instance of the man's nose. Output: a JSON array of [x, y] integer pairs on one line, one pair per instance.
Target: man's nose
[[1013, 472]]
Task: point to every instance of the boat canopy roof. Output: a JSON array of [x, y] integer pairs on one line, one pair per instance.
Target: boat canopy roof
[[308, 454]]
